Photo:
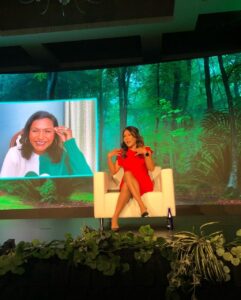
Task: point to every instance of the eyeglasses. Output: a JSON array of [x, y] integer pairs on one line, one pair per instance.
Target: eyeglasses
[[46, 132]]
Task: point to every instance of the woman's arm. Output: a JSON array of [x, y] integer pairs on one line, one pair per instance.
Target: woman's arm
[[113, 167], [148, 159], [78, 163], [147, 153]]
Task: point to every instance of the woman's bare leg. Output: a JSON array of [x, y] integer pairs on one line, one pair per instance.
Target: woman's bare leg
[[134, 188], [123, 199]]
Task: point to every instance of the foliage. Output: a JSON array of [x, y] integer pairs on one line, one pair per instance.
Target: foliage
[[85, 197], [12, 202], [212, 164], [27, 189], [194, 258], [97, 250], [40, 76], [232, 251], [46, 190]]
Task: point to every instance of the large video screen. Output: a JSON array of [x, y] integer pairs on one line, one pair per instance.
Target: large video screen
[[48, 153], [187, 111], [48, 139]]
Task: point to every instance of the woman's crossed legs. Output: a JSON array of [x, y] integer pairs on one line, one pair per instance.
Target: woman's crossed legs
[[130, 188]]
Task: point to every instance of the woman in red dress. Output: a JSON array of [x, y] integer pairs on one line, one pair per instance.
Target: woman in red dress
[[136, 160]]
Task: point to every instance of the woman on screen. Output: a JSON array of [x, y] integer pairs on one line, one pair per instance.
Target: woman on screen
[[136, 160], [44, 149]]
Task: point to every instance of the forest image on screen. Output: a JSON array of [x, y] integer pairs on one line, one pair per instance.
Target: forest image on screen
[[188, 112]]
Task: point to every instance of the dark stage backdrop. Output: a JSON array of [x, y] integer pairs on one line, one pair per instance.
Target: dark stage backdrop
[[189, 113]]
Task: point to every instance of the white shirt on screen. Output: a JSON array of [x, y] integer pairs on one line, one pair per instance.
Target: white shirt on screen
[[15, 166]]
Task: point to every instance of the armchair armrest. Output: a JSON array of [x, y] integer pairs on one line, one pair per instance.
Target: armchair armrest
[[168, 190], [101, 180], [156, 176]]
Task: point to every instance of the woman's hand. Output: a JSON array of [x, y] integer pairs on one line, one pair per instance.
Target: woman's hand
[[64, 133], [147, 153], [114, 152], [113, 167], [141, 150]]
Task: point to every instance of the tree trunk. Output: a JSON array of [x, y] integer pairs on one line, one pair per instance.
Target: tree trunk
[[123, 82], [157, 121], [51, 84], [157, 94], [176, 88], [100, 104], [186, 84], [237, 78], [233, 177], [208, 84], [175, 105]]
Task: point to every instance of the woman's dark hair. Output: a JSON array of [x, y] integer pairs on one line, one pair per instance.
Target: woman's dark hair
[[54, 151], [134, 132]]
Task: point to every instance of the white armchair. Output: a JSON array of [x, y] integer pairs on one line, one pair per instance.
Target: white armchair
[[106, 192]]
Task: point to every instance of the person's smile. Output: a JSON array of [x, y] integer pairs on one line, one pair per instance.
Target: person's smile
[[41, 135]]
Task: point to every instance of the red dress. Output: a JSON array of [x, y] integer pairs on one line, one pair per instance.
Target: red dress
[[137, 166]]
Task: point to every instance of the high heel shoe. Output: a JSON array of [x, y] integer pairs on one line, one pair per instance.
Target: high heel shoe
[[144, 214], [115, 229]]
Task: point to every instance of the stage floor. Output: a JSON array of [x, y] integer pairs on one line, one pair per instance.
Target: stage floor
[[188, 218]]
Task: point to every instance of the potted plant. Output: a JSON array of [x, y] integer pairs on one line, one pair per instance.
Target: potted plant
[[201, 258]]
